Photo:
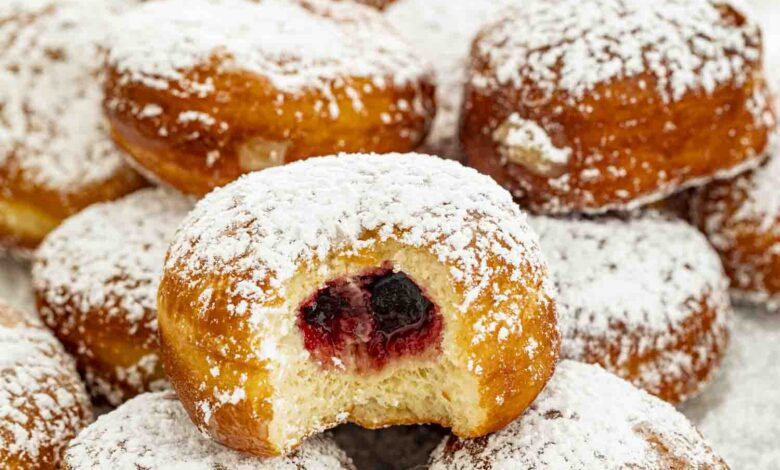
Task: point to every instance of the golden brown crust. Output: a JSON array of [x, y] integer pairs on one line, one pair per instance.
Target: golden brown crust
[[256, 122], [95, 279], [56, 156], [702, 340], [741, 221], [224, 342], [32, 210], [49, 405], [192, 345], [628, 144], [220, 118], [107, 347]]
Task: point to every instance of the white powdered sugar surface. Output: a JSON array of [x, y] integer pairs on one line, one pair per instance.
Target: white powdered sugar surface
[[297, 45], [308, 210], [153, 431], [107, 260], [51, 124], [42, 402], [585, 419], [443, 30], [573, 46], [642, 274], [258, 232]]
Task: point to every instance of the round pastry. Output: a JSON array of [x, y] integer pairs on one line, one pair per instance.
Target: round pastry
[[376, 289], [202, 92], [644, 296], [586, 418], [56, 155], [741, 218], [153, 431], [43, 404], [96, 279], [443, 30], [606, 104]]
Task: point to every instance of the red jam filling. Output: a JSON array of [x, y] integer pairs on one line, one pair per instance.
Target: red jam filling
[[361, 323]]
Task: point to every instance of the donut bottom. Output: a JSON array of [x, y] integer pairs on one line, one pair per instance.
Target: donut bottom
[[276, 407], [675, 365], [23, 226], [118, 361], [28, 212]]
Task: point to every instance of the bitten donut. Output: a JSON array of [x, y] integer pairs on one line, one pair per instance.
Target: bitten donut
[[376, 289], [56, 154], [643, 296], [596, 105], [201, 92], [586, 418], [43, 404], [443, 30], [153, 431], [95, 280], [741, 218]]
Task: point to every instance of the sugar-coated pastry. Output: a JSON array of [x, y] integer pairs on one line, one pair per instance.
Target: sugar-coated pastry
[[43, 404], [586, 419], [643, 296], [202, 91], [96, 279], [741, 218], [375, 289], [595, 105], [56, 154], [152, 431], [443, 30]]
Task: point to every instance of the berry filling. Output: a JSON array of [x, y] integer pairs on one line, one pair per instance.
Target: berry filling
[[361, 322]]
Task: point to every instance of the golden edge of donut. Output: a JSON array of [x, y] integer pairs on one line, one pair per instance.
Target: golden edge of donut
[[252, 125], [190, 334], [669, 145]]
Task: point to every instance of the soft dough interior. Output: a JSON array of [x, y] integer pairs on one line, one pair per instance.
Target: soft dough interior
[[433, 387]]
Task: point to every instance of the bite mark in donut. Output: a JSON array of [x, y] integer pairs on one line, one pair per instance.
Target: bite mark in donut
[[367, 320]]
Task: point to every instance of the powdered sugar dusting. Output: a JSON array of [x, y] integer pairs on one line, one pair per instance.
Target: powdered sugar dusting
[[42, 402], [259, 231], [107, 260], [51, 126], [631, 283], [153, 431], [586, 418], [444, 30], [297, 45], [565, 45], [727, 212]]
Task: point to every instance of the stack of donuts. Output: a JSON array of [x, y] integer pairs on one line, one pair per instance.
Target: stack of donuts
[[252, 222]]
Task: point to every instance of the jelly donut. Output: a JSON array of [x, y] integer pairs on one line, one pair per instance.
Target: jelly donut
[[56, 154], [741, 218], [202, 92], [43, 404], [375, 289], [152, 431], [443, 30], [596, 105], [586, 418], [95, 280], [644, 296]]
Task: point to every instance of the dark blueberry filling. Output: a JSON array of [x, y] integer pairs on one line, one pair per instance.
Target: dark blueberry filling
[[364, 321]]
